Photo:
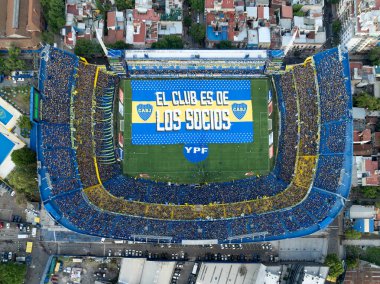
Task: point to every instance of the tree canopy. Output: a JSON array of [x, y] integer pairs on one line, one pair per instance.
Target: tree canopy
[[12, 273], [374, 55], [119, 45], [87, 48], [370, 191], [54, 12], [23, 180], [198, 32], [352, 262], [122, 5], [335, 265], [12, 62], [24, 122], [197, 5], [168, 42], [366, 101], [23, 157], [353, 234], [224, 44]]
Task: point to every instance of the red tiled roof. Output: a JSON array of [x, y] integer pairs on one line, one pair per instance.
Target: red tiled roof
[[111, 19], [260, 12], [140, 37], [72, 9], [114, 35], [149, 15], [227, 4], [286, 12], [362, 150], [209, 4], [365, 135], [376, 141], [373, 180]]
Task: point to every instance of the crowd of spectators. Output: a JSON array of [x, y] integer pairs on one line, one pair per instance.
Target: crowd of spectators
[[333, 137], [59, 79], [287, 149], [135, 208], [82, 123], [334, 96], [305, 83]]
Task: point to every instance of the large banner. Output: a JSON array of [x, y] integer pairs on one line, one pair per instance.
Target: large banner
[[191, 111]]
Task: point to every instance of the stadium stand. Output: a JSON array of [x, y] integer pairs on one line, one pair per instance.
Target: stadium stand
[[83, 189]]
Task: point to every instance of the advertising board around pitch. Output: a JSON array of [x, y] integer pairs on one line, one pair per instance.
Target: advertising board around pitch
[[191, 111]]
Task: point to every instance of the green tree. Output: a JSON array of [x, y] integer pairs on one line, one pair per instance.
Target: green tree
[[366, 101], [55, 15], [370, 191], [119, 45], [24, 181], [198, 32], [299, 13], [12, 273], [24, 122], [353, 234], [336, 26], [87, 48], [47, 37], [374, 55], [335, 265], [12, 62], [187, 21], [352, 262], [168, 42], [224, 44], [23, 157], [122, 5], [197, 5], [297, 7], [377, 204]]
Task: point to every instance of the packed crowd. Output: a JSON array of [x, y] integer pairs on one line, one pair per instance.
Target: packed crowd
[[87, 219], [329, 172], [59, 79], [308, 108], [334, 97], [333, 137], [149, 209], [82, 123], [289, 127]]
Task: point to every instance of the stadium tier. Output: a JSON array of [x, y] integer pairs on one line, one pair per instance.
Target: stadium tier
[[84, 187]]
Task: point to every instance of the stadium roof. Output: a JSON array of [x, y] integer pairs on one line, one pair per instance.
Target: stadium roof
[[192, 54]]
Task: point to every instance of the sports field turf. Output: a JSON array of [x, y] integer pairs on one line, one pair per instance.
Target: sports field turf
[[225, 162]]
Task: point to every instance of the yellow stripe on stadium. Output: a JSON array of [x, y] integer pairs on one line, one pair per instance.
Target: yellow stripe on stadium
[[97, 171], [152, 119]]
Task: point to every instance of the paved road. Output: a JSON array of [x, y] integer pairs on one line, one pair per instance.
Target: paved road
[[362, 242]]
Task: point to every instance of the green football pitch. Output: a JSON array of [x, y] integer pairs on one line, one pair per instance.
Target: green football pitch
[[225, 162]]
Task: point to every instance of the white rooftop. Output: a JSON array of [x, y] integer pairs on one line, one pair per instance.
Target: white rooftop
[[141, 271], [191, 54]]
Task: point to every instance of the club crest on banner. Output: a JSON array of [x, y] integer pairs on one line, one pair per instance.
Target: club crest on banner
[[239, 110], [144, 111]]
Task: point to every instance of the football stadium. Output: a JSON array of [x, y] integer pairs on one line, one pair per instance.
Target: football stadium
[[194, 146]]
